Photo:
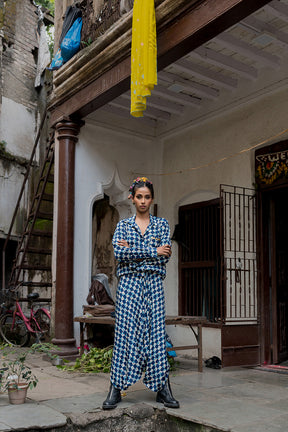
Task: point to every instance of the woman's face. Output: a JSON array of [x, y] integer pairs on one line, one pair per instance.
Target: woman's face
[[142, 200]]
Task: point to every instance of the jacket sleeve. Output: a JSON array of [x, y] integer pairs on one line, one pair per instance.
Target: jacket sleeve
[[123, 254], [165, 239]]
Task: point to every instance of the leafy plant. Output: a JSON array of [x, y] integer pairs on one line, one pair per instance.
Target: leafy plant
[[99, 360], [173, 363], [89, 42], [15, 371], [3, 145], [48, 4], [95, 361]]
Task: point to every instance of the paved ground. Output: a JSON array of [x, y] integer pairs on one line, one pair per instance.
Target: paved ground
[[235, 400]]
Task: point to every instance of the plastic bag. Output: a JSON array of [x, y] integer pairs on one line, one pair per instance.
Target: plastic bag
[[57, 61], [71, 42], [170, 345]]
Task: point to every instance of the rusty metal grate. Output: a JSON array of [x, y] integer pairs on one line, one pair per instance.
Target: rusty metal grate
[[239, 266]]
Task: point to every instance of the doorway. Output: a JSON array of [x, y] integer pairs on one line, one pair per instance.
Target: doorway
[[275, 274]]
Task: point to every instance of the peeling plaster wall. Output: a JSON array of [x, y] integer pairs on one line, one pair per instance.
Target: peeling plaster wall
[[106, 163], [17, 127], [18, 102], [11, 177]]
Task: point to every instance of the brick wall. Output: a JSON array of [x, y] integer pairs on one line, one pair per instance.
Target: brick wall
[[19, 55]]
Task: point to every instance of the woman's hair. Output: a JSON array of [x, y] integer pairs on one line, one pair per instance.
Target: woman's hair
[[138, 183]]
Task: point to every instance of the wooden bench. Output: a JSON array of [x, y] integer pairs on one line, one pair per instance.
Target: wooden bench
[[191, 321]]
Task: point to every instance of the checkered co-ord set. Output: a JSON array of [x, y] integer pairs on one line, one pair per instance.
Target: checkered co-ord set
[[140, 343]]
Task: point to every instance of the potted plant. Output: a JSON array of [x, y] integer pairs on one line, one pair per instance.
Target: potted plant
[[16, 376]]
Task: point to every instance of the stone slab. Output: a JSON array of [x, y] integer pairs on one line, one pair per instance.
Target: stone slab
[[29, 416]]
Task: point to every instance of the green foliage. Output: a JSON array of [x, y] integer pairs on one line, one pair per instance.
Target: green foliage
[[46, 348], [48, 4], [89, 42], [173, 363], [99, 360], [95, 361], [3, 145], [14, 369]]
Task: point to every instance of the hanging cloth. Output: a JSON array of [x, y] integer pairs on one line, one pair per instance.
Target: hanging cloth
[[143, 55], [71, 14]]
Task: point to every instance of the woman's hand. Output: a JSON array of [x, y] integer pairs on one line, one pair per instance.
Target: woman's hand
[[123, 243], [164, 250]]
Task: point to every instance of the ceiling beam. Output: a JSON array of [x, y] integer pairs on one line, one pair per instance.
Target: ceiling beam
[[151, 123], [278, 35], [205, 74], [249, 51], [124, 102], [278, 9], [190, 86], [165, 105], [205, 20], [225, 62], [178, 98]]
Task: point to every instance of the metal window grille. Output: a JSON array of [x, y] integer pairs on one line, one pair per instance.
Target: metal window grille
[[239, 267], [199, 260]]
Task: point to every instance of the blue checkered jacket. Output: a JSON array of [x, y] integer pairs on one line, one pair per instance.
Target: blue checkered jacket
[[141, 255]]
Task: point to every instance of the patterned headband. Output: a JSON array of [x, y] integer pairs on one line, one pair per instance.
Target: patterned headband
[[136, 181]]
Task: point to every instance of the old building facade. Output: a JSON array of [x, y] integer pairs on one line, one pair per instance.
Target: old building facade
[[23, 95], [215, 120]]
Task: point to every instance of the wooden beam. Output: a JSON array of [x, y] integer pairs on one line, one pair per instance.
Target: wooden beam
[[205, 74], [225, 62], [229, 41], [190, 86], [203, 22], [280, 10], [278, 35]]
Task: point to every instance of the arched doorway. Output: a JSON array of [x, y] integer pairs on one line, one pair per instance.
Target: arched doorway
[[104, 220]]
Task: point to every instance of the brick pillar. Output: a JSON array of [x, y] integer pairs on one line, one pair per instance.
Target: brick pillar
[[64, 334]]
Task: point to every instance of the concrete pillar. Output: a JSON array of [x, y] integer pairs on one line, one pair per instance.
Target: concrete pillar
[[67, 134]]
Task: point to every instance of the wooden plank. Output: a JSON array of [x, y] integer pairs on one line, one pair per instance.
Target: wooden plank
[[180, 348], [169, 320]]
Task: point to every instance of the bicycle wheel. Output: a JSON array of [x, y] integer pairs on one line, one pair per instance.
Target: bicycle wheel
[[44, 323], [18, 335]]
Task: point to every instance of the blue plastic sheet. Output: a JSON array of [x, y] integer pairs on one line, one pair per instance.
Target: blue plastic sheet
[[71, 42], [69, 46], [57, 61]]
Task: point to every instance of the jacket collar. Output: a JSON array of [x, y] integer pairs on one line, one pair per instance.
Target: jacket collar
[[131, 220]]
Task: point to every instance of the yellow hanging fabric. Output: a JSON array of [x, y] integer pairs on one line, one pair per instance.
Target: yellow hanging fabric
[[143, 55]]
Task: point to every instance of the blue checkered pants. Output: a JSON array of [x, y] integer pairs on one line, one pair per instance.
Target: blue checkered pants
[[140, 344]]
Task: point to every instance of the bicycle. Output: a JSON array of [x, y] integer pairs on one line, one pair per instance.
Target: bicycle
[[16, 328]]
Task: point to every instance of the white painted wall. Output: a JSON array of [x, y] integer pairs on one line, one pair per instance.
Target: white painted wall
[[105, 162], [221, 137], [17, 129], [108, 160], [11, 179]]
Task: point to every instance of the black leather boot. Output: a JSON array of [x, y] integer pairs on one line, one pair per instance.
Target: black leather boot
[[165, 396], [113, 398]]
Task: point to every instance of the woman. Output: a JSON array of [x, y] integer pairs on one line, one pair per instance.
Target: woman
[[142, 247]]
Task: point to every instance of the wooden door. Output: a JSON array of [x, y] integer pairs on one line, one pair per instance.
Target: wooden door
[[279, 273]]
